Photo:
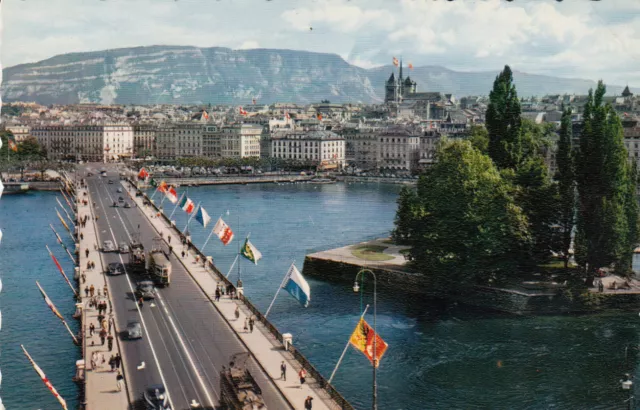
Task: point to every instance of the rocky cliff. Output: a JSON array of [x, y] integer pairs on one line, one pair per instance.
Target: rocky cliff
[[192, 75]]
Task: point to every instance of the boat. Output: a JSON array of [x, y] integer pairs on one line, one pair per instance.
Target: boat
[[322, 181], [15, 188]]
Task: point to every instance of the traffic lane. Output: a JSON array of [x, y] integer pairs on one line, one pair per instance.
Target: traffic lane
[[172, 356], [199, 319]]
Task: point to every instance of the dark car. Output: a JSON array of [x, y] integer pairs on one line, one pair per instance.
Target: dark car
[[120, 199], [110, 181], [115, 204], [155, 398], [134, 330], [127, 205], [146, 290], [115, 268]]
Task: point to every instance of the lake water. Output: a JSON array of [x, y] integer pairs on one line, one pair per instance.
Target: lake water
[[439, 357]]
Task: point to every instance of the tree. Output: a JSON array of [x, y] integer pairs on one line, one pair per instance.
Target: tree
[[404, 222], [467, 226], [607, 216], [565, 176], [479, 138], [503, 122]]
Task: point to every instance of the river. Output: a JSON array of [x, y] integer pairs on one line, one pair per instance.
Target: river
[[439, 357]]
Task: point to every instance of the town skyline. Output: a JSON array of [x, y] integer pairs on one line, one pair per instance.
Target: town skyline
[[593, 40]]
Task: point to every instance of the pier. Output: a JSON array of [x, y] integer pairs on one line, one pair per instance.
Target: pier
[[187, 336]]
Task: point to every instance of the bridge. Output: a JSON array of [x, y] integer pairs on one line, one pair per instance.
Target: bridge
[[187, 336]]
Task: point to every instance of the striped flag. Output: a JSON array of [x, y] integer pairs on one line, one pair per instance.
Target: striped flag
[[44, 379], [187, 205], [171, 194], [49, 302], [297, 286], [64, 275], [223, 231], [62, 220]]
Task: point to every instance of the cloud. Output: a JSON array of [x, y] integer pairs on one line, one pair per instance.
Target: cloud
[[587, 40]]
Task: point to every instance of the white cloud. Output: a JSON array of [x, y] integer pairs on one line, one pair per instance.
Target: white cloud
[[586, 40]]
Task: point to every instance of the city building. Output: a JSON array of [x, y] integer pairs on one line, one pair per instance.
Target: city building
[[240, 141], [211, 136], [324, 148], [399, 149], [144, 140], [20, 132], [99, 143]]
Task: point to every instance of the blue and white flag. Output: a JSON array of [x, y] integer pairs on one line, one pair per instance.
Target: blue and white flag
[[297, 286], [203, 217]]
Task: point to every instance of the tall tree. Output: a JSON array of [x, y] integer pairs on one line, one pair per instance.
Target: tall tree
[[503, 122], [605, 178], [407, 202], [467, 226], [565, 176]]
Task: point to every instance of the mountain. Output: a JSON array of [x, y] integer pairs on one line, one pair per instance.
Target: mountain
[[192, 75]]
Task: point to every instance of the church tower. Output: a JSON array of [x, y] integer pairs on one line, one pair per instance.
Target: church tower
[[391, 89]]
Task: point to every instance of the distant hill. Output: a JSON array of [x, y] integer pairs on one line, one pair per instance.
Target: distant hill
[[192, 75]]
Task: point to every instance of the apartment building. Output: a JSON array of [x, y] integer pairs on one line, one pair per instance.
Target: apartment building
[[399, 149], [179, 140], [240, 141], [325, 148], [99, 143], [20, 132], [211, 136], [144, 140]]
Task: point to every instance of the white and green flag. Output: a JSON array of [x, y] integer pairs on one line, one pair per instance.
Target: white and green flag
[[250, 252]]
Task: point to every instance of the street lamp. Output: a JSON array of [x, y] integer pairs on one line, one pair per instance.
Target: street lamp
[[356, 288]]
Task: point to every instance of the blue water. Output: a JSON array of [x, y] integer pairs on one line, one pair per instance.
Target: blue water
[[439, 357]]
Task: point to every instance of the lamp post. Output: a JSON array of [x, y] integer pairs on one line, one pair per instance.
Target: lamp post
[[356, 288]]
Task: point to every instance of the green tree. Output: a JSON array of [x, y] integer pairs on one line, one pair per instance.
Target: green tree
[[503, 122], [605, 178], [479, 138], [565, 176], [404, 222], [467, 227]]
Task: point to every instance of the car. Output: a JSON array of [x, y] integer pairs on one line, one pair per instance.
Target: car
[[123, 247], [127, 205], [155, 398], [146, 289], [111, 182], [115, 268], [115, 204], [119, 190], [108, 246], [134, 330], [120, 199]]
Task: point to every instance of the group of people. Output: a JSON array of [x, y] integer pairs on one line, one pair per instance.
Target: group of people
[[302, 375]]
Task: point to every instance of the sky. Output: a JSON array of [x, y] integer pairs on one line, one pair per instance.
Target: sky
[[575, 38]]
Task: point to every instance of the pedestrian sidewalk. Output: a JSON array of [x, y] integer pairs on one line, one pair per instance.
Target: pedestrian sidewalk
[[101, 392], [266, 349]]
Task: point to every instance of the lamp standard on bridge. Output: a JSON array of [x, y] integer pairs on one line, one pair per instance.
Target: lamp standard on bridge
[[357, 288]]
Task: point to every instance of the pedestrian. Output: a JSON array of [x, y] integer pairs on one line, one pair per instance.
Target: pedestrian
[[246, 324], [217, 295], [93, 265], [84, 280], [93, 360], [283, 371], [88, 265], [112, 363], [86, 290], [237, 312], [103, 336], [303, 375], [86, 252], [140, 302], [105, 291], [92, 329], [110, 342], [92, 290], [251, 323], [119, 379], [82, 235], [170, 250], [183, 254], [169, 238], [307, 403], [118, 360]]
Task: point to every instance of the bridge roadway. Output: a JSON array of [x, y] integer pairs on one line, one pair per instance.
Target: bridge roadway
[[185, 340]]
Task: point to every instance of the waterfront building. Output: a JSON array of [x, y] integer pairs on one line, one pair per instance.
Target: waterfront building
[[399, 149], [101, 143], [312, 143], [20, 132], [211, 136], [240, 141], [179, 140], [144, 140]]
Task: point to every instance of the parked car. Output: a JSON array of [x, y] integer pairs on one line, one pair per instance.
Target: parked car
[[134, 330], [108, 246], [145, 289], [155, 398], [115, 268], [123, 247]]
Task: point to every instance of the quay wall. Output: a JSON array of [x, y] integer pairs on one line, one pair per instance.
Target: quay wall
[[236, 180], [311, 370], [403, 181]]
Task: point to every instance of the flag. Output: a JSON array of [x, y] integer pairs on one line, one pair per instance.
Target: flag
[[143, 174], [287, 116], [223, 231], [362, 339], [187, 205], [49, 302], [44, 379], [410, 66], [319, 116], [13, 146], [396, 62], [171, 195], [297, 286], [250, 252], [242, 112], [163, 187], [64, 275], [153, 183], [62, 220], [205, 115], [203, 217]]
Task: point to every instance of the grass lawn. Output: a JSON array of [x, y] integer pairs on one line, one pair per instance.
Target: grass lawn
[[559, 264], [371, 253], [388, 241]]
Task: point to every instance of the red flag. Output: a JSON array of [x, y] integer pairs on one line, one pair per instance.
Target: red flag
[[163, 187], [242, 112], [319, 116], [362, 339], [171, 195], [13, 146], [395, 62], [410, 66], [223, 232], [45, 379], [143, 174]]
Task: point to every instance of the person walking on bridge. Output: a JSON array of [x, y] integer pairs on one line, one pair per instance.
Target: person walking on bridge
[[283, 371], [119, 379], [92, 290], [86, 252], [307, 403]]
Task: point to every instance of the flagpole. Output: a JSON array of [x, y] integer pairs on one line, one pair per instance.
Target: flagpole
[[67, 213], [191, 217], [38, 370], [61, 271], [232, 265], [209, 237], [75, 340], [176, 207], [346, 347], [239, 283], [154, 194], [286, 276]]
